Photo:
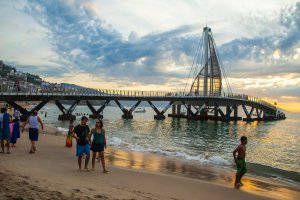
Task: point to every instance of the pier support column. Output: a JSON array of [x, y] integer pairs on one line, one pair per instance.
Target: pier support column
[[96, 114], [176, 112], [178, 109], [259, 114], [222, 116], [25, 113], [236, 112], [228, 112], [160, 114], [216, 113], [67, 113], [202, 111], [248, 114], [189, 111], [174, 109], [127, 114]]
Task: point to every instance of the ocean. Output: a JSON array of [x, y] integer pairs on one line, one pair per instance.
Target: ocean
[[273, 149]]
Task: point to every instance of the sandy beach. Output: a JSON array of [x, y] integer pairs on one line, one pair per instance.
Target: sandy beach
[[51, 173]]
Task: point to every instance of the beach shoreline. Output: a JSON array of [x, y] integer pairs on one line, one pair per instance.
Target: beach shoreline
[[54, 168]]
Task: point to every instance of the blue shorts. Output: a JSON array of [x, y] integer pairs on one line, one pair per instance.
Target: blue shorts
[[33, 134], [82, 149]]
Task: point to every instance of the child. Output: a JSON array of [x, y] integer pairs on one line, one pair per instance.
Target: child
[[69, 136], [240, 161]]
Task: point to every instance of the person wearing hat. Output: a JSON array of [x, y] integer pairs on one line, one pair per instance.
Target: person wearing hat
[[81, 133], [33, 122]]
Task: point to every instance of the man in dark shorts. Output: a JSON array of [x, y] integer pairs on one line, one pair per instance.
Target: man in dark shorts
[[240, 161], [34, 120], [80, 133]]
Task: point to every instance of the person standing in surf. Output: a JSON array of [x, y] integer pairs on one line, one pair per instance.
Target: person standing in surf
[[98, 144], [240, 160], [81, 133]]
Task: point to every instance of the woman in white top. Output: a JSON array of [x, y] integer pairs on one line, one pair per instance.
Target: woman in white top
[[33, 121]]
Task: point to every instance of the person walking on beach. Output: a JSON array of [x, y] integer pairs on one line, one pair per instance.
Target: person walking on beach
[[80, 133], [98, 144], [240, 161], [4, 130], [33, 121]]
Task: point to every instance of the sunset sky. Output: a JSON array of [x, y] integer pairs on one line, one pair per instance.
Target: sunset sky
[[150, 45]]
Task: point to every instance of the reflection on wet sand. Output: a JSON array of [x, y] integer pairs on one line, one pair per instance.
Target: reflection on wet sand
[[156, 163]]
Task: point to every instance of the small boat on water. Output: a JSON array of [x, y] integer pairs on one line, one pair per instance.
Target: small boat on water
[[140, 110]]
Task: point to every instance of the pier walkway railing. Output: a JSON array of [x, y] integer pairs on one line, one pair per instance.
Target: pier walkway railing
[[10, 88]]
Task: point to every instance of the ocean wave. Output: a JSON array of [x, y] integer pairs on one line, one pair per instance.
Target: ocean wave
[[62, 130], [272, 172], [115, 141]]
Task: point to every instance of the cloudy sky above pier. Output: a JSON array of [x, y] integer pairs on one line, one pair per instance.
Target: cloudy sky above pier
[[150, 45]]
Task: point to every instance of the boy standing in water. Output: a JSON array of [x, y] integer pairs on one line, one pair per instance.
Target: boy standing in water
[[240, 161]]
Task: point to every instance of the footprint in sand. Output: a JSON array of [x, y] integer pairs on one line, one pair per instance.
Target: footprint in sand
[[76, 190], [99, 196]]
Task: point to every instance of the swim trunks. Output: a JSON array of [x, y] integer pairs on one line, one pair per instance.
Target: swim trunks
[[241, 166], [82, 149], [33, 134]]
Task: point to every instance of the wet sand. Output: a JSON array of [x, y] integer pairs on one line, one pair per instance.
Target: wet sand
[[51, 173]]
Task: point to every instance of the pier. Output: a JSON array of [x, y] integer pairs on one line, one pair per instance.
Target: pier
[[219, 108], [207, 98]]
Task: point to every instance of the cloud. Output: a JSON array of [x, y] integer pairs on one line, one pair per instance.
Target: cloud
[[277, 52], [85, 43]]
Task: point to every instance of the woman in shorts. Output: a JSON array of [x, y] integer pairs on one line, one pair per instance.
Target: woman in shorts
[[98, 143]]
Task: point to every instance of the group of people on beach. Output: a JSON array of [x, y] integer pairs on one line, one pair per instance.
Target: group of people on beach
[[87, 140], [9, 129]]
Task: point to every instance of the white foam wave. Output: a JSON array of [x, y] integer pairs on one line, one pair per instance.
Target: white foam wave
[[62, 130], [115, 141]]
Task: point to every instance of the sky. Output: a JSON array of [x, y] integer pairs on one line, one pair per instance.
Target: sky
[[150, 45]]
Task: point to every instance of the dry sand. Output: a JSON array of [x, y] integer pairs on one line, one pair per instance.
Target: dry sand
[[51, 173]]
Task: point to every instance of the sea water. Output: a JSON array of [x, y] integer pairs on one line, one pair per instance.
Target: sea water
[[273, 148]]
